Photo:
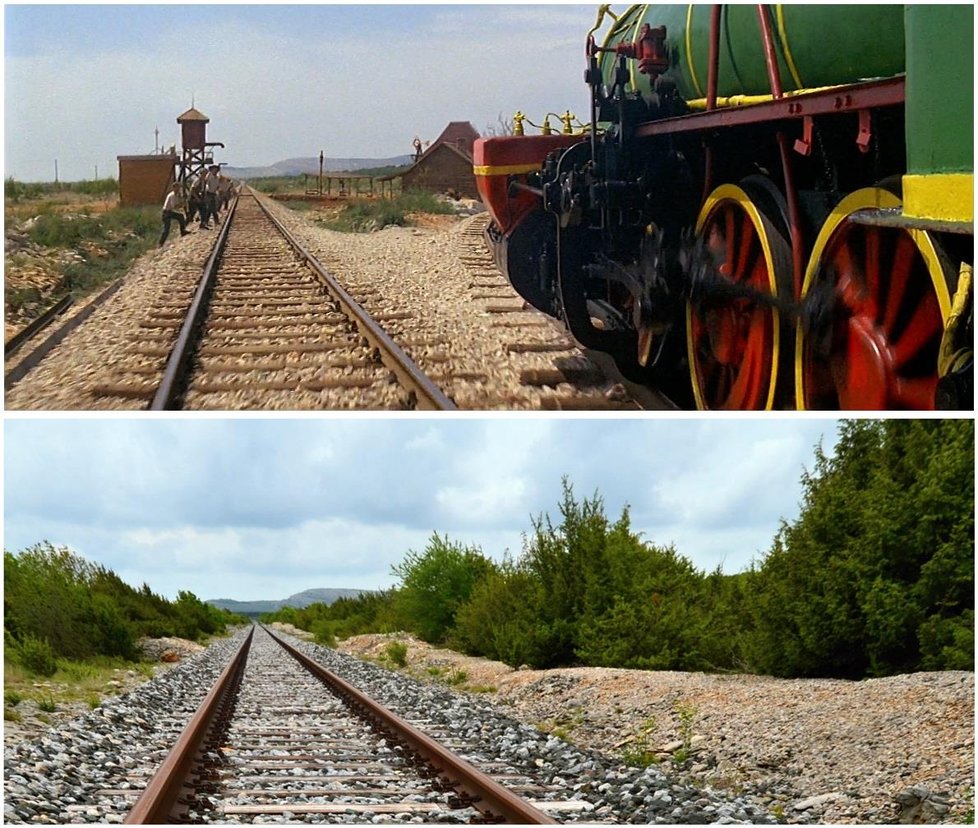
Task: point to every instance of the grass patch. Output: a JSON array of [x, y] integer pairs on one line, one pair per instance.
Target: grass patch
[[12, 697], [687, 717], [104, 242], [457, 677], [18, 191], [366, 216], [72, 681], [396, 653], [124, 235], [481, 688], [11, 715], [104, 245], [640, 753], [564, 725], [47, 704], [17, 298]]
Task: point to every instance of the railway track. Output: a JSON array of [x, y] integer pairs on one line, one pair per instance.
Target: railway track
[[264, 327], [279, 736], [286, 751], [276, 331], [589, 384], [262, 324]]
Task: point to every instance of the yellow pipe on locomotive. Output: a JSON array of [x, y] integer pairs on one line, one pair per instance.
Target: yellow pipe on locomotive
[[546, 128], [699, 104]]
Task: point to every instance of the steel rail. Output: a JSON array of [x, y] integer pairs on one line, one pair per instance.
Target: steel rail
[[156, 804], [166, 395], [488, 795], [33, 359], [428, 396], [35, 325]]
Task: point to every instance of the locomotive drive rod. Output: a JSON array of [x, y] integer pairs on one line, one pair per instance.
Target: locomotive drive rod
[[707, 283]]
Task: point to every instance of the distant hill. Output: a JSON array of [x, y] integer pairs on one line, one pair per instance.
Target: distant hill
[[299, 600], [298, 166]]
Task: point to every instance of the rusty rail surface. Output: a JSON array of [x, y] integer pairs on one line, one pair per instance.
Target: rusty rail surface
[[166, 395], [157, 803], [33, 359], [488, 795], [428, 396], [45, 319]]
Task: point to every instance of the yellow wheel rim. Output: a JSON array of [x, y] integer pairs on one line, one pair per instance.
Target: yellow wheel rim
[[762, 326], [892, 316]]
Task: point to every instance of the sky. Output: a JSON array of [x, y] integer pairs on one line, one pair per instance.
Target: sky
[[85, 84], [261, 508]]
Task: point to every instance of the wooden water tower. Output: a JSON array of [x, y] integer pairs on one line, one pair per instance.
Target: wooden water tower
[[196, 148]]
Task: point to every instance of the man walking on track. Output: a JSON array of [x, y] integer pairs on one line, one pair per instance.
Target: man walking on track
[[173, 208]]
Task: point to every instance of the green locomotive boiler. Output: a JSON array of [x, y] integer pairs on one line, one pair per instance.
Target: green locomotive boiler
[[772, 206]]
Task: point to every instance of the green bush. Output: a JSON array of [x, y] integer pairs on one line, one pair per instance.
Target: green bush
[[874, 577], [948, 643], [114, 634], [18, 190], [97, 187], [47, 704], [368, 612], [323, 631], [57, 604], [396, 653], [37, 656]]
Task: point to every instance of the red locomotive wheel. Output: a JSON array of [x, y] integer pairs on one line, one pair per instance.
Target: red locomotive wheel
[[734, 344], [889, 304]]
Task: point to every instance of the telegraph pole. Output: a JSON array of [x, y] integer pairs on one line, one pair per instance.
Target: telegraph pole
[[321, 171], [55, 170]]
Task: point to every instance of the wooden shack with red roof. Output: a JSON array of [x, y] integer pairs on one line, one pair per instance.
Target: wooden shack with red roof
[[446, 166]]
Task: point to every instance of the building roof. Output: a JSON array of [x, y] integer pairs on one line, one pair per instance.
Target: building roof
[[434, 148], [451, 135], [457, 131], [193, 115]]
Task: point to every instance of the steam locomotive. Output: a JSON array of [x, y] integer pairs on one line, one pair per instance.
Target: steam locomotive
[[772, 206]]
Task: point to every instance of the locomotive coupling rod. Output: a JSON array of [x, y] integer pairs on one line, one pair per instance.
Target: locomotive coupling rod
[[489, 794]]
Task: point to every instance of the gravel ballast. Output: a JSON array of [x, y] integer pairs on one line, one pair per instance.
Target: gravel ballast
[[763, 749], [818, 750]]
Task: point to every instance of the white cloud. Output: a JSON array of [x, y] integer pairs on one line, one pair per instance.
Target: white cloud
[[256, 508]]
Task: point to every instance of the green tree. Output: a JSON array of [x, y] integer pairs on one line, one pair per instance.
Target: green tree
[[873, 576], [435, 583], [502, 619]]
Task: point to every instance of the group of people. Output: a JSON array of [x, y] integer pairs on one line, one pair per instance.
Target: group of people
[[202, 196]]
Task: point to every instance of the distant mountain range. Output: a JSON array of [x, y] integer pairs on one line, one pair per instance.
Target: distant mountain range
[[298, 166], [299, 600]]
